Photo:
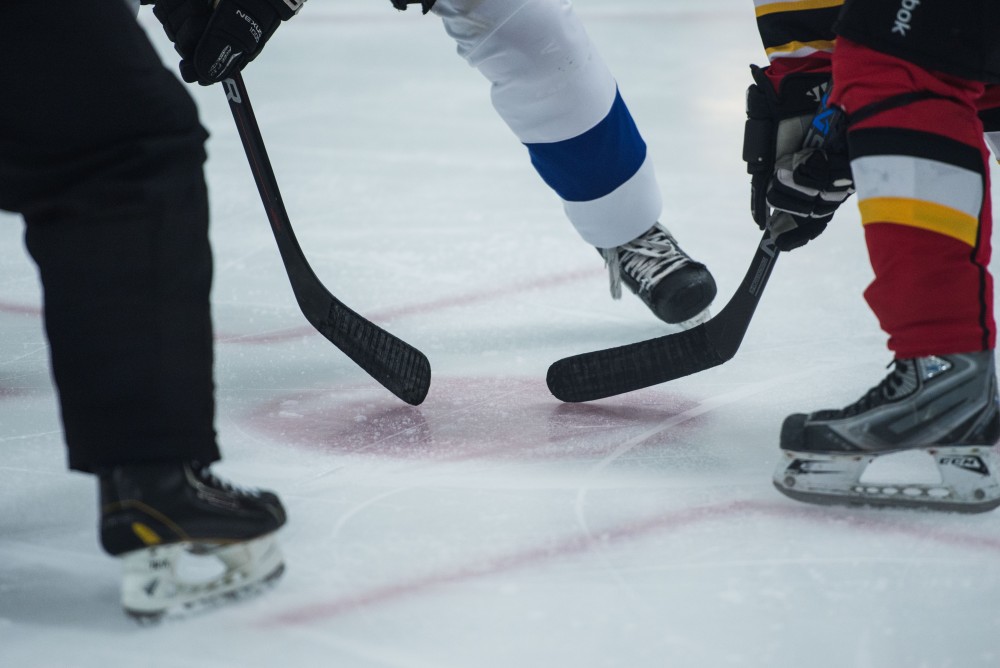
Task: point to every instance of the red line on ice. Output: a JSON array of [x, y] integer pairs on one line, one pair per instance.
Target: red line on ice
[[385, 315], [396, 312], [566, 547], [583, 543], [19, 309]]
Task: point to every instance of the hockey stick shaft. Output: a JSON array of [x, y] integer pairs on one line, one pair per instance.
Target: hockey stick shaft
[[606, 373], [398, 366]]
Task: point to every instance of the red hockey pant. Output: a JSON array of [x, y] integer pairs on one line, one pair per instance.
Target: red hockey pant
[[921, 169]]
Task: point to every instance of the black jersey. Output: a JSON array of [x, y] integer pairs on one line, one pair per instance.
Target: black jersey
[[959, 37]]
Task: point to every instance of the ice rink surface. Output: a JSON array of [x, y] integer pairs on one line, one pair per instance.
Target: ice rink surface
[[492, 526]]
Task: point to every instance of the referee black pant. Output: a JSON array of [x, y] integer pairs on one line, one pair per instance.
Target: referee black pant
[[101, 151]]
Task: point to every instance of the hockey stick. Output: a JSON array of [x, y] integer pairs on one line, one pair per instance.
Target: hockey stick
[[606, 373], [397, 365]]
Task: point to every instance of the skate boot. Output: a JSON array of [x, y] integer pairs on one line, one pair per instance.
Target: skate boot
[[153, 515], [675, 288], [944, 406]]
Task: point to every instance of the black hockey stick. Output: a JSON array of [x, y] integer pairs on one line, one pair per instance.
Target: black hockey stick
[[606, 373], [397, 365]]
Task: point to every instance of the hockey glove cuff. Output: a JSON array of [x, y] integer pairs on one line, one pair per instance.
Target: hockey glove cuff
[[425, 4], [216, 42], [796, 155]]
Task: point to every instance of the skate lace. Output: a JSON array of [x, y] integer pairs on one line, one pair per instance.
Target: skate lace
[[647, 259], [898, 382], [210, 479]]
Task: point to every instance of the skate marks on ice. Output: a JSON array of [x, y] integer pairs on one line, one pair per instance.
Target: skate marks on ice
[[552, 551], [383, 316], [472, 298], [446, 432], [562, 550], [59, 586], [496, 427], [670, 422]]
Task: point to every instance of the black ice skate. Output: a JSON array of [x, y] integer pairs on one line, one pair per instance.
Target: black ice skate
[[675, 288], [153, 514], [943, 405]]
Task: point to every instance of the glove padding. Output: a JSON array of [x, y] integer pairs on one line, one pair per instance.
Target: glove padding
[[796, 154], [214, 42], [425, 4]]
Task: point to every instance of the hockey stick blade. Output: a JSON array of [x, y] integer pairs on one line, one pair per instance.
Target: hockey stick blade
[[398, 366], [606, 373]]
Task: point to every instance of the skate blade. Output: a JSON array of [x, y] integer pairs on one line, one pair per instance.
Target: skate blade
[[153, 591], [696, 320], [968, 481]]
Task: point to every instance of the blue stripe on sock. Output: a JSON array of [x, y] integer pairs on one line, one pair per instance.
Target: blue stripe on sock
[[595, 163]]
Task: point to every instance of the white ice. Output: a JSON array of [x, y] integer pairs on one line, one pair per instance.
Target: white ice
[[492, 526]]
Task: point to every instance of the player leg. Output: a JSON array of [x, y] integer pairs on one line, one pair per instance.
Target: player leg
[[920, 166], [102, 154], [555, 92]]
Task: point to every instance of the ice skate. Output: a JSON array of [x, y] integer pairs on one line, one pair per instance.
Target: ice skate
[[160, 517], [677, 289], [944, 406]]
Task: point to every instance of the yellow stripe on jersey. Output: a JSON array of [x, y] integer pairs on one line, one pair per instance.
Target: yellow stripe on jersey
[[764, 7], [921, 214], [799, 49]]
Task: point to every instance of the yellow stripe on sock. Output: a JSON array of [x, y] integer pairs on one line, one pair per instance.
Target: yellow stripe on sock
[[921, 214]]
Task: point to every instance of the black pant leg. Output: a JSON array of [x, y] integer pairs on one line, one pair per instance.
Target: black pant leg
[[101, 150]]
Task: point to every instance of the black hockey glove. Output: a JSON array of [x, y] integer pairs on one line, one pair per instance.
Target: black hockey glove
[[401, 4], [796, 153], [216, 41]]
